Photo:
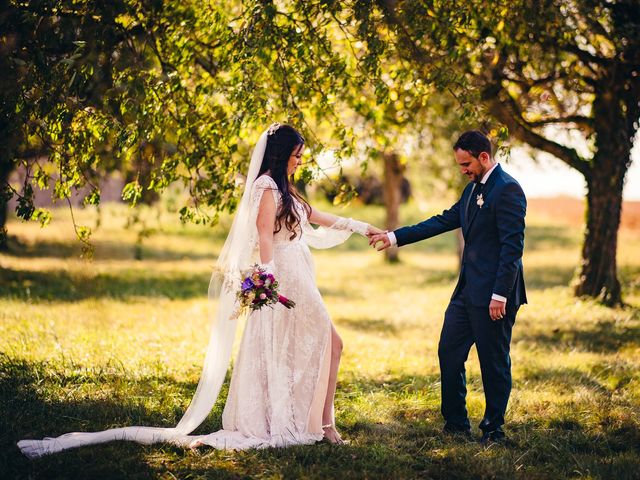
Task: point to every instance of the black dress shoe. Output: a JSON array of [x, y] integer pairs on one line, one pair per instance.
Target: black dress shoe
[[461, 430], [495, 436]]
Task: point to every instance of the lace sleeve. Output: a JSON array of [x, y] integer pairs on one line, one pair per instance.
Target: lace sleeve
[[262, 184], [351, 225], [339, 232]]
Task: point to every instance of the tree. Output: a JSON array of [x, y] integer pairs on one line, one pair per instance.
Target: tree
[[91, 84], [65, 96], [177, 91], [536, 67], [202, 80]]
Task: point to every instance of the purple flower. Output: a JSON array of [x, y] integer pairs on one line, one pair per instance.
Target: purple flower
[[247, 284]]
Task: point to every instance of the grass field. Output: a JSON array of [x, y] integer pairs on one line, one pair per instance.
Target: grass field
[[118, 341]]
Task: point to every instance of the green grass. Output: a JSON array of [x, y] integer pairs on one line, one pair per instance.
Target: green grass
[[117, 341]]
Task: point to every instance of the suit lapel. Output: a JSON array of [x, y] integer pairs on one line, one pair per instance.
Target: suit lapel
[[485, 191], [475, 211], [466, 209]]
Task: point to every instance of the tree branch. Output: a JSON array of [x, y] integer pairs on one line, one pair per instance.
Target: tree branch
[[422, 56], [579, 120], [508, 112], [207, 65]]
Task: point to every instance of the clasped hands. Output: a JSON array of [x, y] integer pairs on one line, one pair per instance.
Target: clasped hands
[[375, 236]]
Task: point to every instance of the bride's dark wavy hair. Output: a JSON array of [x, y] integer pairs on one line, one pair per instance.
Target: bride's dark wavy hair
[[280, 146]]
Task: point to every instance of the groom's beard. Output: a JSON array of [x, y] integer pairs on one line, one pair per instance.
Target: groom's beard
[[477, 177]]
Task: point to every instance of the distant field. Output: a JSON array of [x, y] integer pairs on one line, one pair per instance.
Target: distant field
[[571, 211], [89, 345]]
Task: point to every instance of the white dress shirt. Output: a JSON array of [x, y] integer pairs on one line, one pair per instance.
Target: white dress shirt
[[394, 241]]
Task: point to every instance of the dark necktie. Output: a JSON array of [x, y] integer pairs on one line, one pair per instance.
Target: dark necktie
[[474, 207]]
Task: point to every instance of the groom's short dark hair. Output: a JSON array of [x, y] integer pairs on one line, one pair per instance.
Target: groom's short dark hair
[[473, 141]]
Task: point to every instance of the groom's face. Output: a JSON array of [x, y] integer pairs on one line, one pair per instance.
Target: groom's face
[[473, 167]]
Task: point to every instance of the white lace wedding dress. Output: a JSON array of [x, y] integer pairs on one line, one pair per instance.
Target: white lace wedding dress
[[280, 378]]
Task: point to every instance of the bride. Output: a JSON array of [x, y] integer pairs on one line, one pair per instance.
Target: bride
[[284, 380]]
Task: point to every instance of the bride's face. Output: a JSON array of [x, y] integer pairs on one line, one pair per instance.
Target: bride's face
[[295, 160]]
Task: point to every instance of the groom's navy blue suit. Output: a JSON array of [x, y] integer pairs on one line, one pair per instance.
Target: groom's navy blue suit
[[491, 264]]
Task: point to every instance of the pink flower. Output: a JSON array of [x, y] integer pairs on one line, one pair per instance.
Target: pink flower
[[263, 296]]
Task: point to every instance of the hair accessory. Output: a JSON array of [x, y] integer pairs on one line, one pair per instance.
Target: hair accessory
[[272, 129]]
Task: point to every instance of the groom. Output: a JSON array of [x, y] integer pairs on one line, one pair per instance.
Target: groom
[[490, 287]]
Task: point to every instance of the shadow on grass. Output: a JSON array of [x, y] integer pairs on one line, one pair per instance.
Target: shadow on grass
[[61, 285], [104, 250], [539, 278], [603, 337], [561, 378], [34, 402], [607, 451], [543, 237]]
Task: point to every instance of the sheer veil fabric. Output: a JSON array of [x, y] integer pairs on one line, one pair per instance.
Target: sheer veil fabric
[[237, 254]]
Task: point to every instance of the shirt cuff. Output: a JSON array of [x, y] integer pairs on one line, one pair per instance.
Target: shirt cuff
[[500, 298], [392, 239]]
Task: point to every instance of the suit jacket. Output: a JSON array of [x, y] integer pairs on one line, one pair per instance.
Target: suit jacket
[[494, 239]]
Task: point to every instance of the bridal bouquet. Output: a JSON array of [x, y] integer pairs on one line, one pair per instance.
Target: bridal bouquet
[[260, 288]]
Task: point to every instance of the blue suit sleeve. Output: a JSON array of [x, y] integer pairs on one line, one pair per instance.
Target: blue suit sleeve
[[446, 221], [510, 212]]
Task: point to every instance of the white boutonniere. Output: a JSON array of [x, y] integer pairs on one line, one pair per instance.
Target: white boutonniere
[[479, 200]]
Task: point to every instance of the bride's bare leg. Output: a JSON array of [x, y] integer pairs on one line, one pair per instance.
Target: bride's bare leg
[[330, 432]]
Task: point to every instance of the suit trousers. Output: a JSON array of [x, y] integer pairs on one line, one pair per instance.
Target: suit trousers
[[464, 325]]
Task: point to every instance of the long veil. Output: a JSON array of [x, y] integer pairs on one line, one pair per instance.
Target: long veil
[[235, 256]]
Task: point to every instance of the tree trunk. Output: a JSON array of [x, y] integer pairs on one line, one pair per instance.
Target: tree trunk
[[393, 174], [10, 122], [598, 275], [9, 138], [5, 171]]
